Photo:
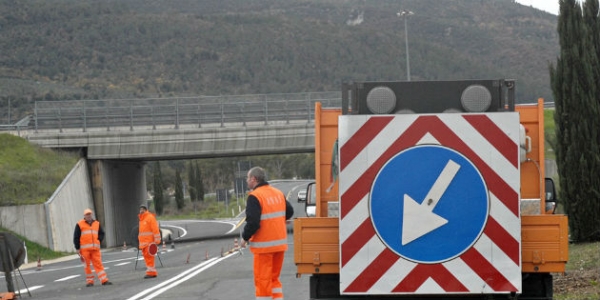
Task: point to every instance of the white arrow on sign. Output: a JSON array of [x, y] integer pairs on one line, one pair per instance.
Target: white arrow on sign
[[419, 219]]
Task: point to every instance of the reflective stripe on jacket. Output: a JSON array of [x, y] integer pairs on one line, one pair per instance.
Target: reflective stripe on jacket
[[89, 234], [149, 232], [272, 234]]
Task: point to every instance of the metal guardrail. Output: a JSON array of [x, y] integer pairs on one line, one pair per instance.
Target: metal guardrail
[[22, 124], [120, 114], [132, 114]]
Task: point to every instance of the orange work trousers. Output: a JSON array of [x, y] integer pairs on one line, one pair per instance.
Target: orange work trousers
[[267, 268], [94, 257], [149, 260]]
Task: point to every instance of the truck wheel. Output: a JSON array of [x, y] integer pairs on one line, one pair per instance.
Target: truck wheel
[[537, 286], [324, 286]]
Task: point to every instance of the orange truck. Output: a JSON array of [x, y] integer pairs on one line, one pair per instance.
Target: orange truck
[[430, 190]]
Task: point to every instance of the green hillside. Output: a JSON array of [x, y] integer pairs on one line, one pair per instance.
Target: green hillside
[[30, 174], [89, 49]]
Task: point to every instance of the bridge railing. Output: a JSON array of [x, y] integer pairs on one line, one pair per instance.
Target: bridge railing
[[139, 114]]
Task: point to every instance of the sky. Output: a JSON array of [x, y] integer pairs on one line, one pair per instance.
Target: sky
[[550, 6]]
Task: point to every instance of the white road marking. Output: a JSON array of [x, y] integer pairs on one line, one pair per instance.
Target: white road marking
[[23, 291], [175, 281], [176, 227], [66, 278]]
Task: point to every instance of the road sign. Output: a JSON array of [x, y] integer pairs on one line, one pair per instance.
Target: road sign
[[429, 204], [438, 198]]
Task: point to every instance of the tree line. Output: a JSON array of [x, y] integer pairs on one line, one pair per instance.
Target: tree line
[[202, 176]]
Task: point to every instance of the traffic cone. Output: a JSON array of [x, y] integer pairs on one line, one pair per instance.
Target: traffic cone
[[235, 243], [39, 264]]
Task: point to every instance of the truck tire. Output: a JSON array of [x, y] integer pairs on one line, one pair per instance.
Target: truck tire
[[324, 286], [537, 286]]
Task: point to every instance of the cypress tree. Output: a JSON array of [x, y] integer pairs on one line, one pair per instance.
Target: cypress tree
[[575, 86], [199, 184], [192, 182], [178, 190], [158, 189], [591, 231]]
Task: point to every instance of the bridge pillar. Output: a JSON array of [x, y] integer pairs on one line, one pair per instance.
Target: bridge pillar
[[118, 188]]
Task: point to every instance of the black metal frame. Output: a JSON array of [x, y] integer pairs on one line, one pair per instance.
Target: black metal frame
[[137, 258]]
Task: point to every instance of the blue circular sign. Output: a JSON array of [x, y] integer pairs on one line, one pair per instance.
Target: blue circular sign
[[429, 204]]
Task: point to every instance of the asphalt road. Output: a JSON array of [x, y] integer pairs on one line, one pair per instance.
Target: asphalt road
[[291, 188], [198, 263], [194, 230], [190, 270]]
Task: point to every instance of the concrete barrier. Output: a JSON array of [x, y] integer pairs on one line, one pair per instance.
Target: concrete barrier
[[26, 220], [65, 207]]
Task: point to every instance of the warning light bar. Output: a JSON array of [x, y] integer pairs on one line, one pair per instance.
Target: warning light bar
[[397, 97]]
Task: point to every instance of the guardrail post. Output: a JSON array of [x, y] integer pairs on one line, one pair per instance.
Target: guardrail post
[[177, 113], [287, 113], [35, 113], [59, 120], [84, 118], [266, 110], [152, 114], [130, 116], [106, 120], [222, 115], [199, 116], [9, 119], [243, 115], [308, 103]]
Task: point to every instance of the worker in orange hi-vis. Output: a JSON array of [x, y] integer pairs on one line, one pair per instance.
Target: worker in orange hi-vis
[[266, 232], [149, 234], [87, 238]]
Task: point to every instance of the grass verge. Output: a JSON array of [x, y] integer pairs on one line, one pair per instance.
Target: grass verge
[[582, 277], [30, 173]]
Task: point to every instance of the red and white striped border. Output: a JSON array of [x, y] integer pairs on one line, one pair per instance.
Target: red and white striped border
[[490, 141]]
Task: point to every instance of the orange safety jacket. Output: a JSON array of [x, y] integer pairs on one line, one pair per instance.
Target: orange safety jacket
[[272, 234], [89, 235], [149, 232]]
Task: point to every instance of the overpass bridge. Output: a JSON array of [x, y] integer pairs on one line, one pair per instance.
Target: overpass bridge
[[117, 137], [177, 128]]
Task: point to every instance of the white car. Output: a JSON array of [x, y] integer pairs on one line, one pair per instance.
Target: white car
[[302, 195]]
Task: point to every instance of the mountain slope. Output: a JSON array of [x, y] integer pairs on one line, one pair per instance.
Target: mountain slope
[[81, 49]]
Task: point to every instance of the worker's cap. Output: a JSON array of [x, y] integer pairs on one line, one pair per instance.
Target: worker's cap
[[87, 211], [144, 207]]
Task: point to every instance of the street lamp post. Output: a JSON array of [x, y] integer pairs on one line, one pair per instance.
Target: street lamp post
[[405, 14]]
